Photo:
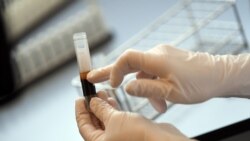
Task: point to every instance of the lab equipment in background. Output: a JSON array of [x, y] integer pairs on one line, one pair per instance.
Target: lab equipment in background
[[84, 64], [13, 28], [211, 26], [21, 16], [49, 45]]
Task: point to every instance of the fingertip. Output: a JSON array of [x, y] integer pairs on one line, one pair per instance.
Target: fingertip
[[115, 81], [113, 84], [113, 103], [162, 109], [101, 109], [80, 106], [144, 75], [100, 74], [158, 104], [116, 76], [91, 75], [94, 100], [130, 87], [112, 80], [79, 102], [103, 95]]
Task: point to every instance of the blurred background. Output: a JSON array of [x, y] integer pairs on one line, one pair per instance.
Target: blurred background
[[39, 74]]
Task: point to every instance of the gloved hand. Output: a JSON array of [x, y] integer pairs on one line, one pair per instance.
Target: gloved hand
[[121, 126], [180, 76]]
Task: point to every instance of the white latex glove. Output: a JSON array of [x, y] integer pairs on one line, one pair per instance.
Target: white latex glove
[[120, 126], [180, 76]]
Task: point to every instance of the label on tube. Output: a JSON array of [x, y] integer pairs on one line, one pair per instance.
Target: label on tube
[[82, 52]]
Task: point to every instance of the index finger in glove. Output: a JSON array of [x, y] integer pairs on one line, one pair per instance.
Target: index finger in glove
[[129, 62], [99, 75], [102, 110]]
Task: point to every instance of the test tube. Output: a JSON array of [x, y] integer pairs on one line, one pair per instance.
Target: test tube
[[84, 64]]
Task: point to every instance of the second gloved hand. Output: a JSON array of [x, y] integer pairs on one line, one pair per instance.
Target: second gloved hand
[[121, 126], [180, 76]]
